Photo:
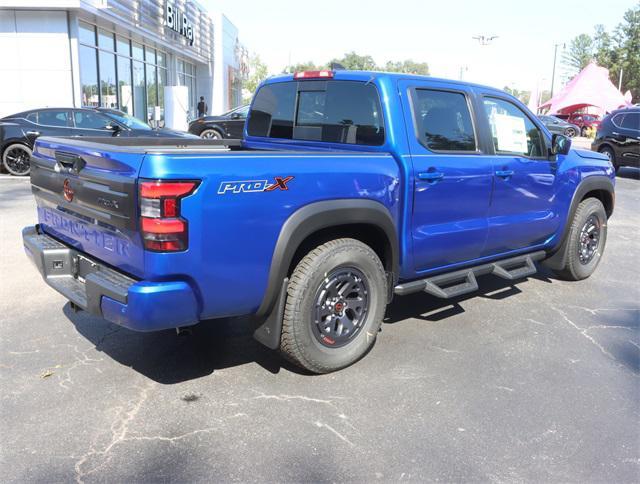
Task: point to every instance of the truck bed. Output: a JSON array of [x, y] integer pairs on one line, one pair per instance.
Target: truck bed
[[148, 145]]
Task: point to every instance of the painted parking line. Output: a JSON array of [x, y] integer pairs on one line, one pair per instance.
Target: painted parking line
[[11, 177]]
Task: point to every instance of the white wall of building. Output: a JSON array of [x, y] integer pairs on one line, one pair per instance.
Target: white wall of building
[[35, 65], [225, 40]]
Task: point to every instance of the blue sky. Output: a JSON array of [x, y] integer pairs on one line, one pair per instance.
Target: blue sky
[[437, 32]]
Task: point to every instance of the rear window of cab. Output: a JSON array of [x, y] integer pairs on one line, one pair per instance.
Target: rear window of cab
[[331, 111]]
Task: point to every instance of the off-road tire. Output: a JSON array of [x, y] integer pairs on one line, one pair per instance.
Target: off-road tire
[[574, 269], [298, 342]]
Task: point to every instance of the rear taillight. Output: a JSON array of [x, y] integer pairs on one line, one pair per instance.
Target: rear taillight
[[163, 230]]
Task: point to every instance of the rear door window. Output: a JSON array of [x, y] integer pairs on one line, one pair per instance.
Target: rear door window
[[631, 121], [443, 120], [329, 111], [53, 118]]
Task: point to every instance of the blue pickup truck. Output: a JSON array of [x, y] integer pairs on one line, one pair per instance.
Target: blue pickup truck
[[347, 188]]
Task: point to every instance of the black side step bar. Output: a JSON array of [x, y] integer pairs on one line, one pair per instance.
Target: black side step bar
[[460, 282]]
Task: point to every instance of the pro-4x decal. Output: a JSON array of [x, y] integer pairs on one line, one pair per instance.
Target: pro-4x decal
[[248, 186]]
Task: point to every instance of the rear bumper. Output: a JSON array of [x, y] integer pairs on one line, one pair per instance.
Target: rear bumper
[[105, 292]]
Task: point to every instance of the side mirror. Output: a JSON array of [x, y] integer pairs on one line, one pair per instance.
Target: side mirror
[[556, 122], [560, 145], [235, 116], [115, 128]]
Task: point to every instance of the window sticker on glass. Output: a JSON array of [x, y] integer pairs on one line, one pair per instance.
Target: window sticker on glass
[[510, 133]]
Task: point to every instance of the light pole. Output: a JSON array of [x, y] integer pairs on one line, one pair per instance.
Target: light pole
[[553, 75], [484, 39]]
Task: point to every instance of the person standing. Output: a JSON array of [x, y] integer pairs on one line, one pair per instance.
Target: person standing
[[202, 107]]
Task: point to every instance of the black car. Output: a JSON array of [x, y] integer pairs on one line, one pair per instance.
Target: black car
[[18, 132], [618, 137], [226, 126], [560, 126]]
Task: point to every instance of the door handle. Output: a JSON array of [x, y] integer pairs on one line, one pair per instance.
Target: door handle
[[504, 173], [34, 133], [431, 176]]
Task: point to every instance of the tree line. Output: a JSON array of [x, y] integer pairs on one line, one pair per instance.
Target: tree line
[[618, 51], [258, 71]]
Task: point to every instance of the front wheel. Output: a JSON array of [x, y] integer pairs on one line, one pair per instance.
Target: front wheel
[[210, 134], [585, 241], [16, 159], [335, 304], [570, 132]]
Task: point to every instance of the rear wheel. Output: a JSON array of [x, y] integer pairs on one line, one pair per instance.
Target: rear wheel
[[16, 159], [570, 132], [585, 241], [211, 134], [335, 304]]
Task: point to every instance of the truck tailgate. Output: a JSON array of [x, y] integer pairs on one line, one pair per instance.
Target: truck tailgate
[[88, 198]]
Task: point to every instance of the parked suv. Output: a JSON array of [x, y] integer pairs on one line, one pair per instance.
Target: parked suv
[[619, 137], [18, 132]]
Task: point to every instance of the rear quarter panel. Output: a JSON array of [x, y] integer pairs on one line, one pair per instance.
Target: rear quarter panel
[[232, 236]]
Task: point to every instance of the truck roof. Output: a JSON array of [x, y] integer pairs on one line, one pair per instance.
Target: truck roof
[[347, 75]]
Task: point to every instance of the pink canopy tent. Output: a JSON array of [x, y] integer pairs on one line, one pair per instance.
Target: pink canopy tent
[[591, 87]]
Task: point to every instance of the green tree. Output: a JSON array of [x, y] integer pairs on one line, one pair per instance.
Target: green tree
[[629, 52], [602, 46], [355, 62], [579, 53], [258, 72], [408, 67], [523, 96], [303, 66]]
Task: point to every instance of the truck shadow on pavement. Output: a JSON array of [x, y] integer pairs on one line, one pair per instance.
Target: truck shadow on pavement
[[422, 306], [169, 358]]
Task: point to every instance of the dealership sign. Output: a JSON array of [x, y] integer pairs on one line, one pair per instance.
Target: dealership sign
[[177, 21]]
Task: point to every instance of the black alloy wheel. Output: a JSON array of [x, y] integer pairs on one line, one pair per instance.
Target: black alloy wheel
[[341, 305], [589, 239], [16, 159]]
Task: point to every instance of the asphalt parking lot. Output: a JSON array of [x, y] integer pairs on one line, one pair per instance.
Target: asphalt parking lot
[[536, 381]]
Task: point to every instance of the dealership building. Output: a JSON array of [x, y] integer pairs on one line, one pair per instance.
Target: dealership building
[[126, 54]]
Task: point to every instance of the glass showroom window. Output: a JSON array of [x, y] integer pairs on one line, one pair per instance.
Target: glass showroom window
[[89, 76], [118, 73], [107, 63], [152, 91], [187, 77], [125, 89]]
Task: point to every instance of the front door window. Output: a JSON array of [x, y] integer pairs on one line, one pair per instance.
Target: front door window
[[512, 131]]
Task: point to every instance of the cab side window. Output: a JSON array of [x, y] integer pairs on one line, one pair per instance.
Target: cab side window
[[443, 120], [512, 130], [53, 118], [242, 113], [90, 120]]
